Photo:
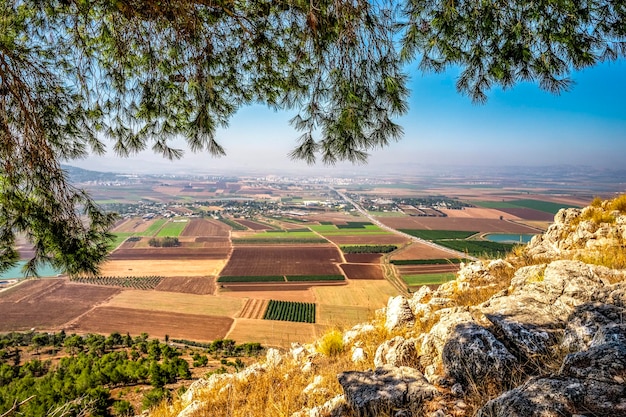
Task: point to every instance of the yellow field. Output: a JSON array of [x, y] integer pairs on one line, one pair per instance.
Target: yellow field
[[177, 302], [166, 268], [360, 293], [273, 333], [343, 316]]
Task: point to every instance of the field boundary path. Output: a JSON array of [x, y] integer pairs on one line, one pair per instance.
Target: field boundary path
[[392, 230]]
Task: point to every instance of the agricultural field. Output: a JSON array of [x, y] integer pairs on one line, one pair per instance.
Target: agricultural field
[[175, 267], [456, 223], [273, 332], [536, 205], [438, 234], [171, 253], [290, 311], [188, 285], [356, 271], [363, 258], [253, 225], [134, 282], [178, 303], [206, 227], [106, 320], [283, 260], [417, 281], [172, 228], [48, 303], [280, 237], [418, 250]]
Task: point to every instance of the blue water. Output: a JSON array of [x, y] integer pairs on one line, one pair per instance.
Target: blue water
[[508, 238], [16, 271]]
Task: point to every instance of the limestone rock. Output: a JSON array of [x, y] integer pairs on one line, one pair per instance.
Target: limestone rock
[[433, 342], [585, 323], [557, 397], [273, 357], [473, 354], [373, 392], [604, 363], [398, 313], [397, 352], [335, 407], [358, 355], [353, 334]]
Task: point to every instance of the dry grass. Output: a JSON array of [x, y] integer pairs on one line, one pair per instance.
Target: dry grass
[[280, 390], [178, 302]]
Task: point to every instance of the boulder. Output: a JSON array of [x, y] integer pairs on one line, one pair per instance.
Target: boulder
[[191, 410], [355, 332], [398, 313], [397, 352], [472, 355], [603, 363], [558, 397], [371, 393], [585, 323]]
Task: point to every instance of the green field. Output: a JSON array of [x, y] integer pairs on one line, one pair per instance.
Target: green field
[[118, 239], [428, 279], [438, 234], [290, 311], [545, 206], [153, 228], [172, 229], [478, 248], [355, 228], [282, 236]]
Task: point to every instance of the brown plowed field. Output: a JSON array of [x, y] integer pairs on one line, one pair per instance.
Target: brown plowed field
[[390, 239], [170, 253], [529, 214], [363, 258], [455, 223], [253, 225], [48, 303], [478, 213], [418, 250], [282, 260], [107, 320], [206, 227], [354, 271], [426, 269], [254, 309], [188, 285], [133, 225]]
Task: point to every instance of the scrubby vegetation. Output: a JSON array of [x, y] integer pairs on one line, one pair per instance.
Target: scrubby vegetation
[[164, 242]]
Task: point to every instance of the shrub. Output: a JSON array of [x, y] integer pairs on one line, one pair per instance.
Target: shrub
[[331, 343]]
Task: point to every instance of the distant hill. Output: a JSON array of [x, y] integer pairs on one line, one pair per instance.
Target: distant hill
[[79, 175]]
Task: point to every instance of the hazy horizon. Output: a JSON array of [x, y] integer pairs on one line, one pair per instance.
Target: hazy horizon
[[523, 126]]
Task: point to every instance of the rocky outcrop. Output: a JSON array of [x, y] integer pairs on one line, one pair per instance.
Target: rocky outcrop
[[372, 393]]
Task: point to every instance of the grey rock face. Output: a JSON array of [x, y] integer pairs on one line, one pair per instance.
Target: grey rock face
[[585, 323], [371, 393], [604, 363], [472, 354]]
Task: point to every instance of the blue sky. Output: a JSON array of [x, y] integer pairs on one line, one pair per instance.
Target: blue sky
[[520, 126]]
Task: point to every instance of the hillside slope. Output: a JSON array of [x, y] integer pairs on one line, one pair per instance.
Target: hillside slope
[[541, 333]]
